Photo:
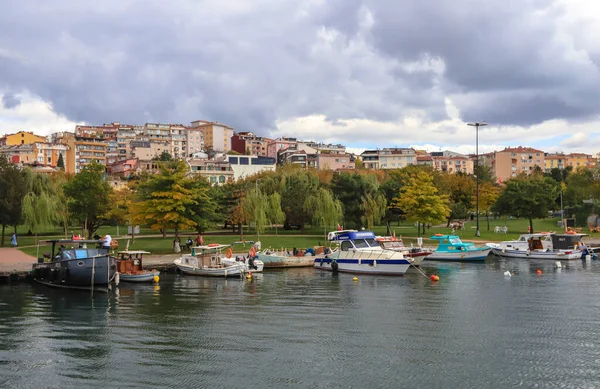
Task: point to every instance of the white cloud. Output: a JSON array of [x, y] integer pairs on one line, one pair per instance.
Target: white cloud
[[32, 114]]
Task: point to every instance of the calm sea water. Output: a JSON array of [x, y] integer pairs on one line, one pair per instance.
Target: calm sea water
[[305, 328]]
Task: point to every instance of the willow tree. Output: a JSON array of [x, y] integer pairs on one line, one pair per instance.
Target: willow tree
[[325, 210], [40, 204], [421, 202], [12, 190], [373, 207], [254, 206], [274, 212], [63, 215]]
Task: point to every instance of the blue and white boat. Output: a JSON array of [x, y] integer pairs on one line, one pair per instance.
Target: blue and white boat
[[131, 268], [451, 248], [359, 252]]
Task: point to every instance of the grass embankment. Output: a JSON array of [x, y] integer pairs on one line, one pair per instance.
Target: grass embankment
[[315, 236]]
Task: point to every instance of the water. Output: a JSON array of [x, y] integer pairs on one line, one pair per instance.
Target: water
[[310, 329]]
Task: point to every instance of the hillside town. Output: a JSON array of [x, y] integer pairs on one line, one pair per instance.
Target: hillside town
[[219, 153]]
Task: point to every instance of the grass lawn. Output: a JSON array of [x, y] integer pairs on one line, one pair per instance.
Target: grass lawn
[[315, 236]]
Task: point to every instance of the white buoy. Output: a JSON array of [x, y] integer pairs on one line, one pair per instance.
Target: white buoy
[[507, 274], [558, 264], [588, 257]]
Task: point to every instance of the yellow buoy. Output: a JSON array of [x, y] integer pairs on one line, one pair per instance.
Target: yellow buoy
[[156, 278], [249, 276], [355, 279]]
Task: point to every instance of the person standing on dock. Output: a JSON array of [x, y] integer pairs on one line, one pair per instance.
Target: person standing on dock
[[107, 241], [13, 240]]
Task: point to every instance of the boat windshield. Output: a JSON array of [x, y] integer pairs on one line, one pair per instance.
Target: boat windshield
[[365, 243], [455, 241]]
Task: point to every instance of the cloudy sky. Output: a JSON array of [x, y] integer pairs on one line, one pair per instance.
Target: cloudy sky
[[367, 73]]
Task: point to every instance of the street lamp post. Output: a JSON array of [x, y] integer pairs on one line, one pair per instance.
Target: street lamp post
[[477, 125]]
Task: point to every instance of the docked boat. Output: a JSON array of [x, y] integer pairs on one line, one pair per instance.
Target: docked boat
[[251, 262], [207, 261], [396, 244], [131, 268], [359, 252], [72, 264], [451, 248], [282, 258], [546, 245]]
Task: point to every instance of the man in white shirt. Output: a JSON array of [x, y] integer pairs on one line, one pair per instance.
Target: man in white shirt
[[107, 240]]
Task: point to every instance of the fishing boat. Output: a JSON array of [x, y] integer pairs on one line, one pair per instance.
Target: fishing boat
[[451, 248], [207, 261], [251, 262], [131, 268], [359, 252], [393, 243], [545, 245], [72, 264]]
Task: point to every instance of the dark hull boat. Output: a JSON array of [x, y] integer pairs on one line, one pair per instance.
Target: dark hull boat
[[75, 265]]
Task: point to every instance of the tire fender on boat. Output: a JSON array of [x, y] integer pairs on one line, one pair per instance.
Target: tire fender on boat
[[334, 265]]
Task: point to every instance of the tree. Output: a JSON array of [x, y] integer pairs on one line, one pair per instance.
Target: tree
[[39, 208], [165, 156], [63, 216], [170, 199], [460, 189], [356, 191], [88, 196], [527, 197], [324, 208], [274, 212], [373, 207], [488, 194], [421, 202], [61, 162], [12, 190], [254, 206], [296, 187]]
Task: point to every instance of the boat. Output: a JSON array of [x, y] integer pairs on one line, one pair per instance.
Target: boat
[[72, 264], [282, 258], [359, 252], [544, 245], [206, 260], [251, 262], [451, 248], [393, 243], [131, 269]]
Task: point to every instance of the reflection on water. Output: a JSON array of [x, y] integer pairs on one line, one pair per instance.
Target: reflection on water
[[304, 328]]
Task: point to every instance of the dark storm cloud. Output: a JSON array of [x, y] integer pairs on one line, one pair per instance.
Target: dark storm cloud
[[250, 63], [10, 101]]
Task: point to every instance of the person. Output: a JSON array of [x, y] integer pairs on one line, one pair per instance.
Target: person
[[13, 240], [189, 243], [107, 241], [177, 245], [199, 240]]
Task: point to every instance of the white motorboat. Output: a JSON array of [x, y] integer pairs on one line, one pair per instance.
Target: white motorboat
[[359, 252], [251, 263], [207, 260], [545, 245]]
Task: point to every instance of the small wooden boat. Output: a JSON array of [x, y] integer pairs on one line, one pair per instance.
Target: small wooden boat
[[130, 267], [544, 245], [451, 248], [282, 258], [207, 261]]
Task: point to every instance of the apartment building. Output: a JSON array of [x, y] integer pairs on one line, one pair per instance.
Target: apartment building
[[217, 136], [146, 149], [577, 160], [195, 140], [275, 145], [335, 161], [21, 138], [554, 161], [90, 146], [451, 162], [36, 154], [389, 158], [249, 143], [512, 161]]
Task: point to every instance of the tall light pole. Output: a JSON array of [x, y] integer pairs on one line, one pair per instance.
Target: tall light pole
[[477, 125]]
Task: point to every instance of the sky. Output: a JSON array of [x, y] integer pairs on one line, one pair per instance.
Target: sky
[[364, 73]]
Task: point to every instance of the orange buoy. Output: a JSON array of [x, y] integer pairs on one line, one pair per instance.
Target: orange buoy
[[538, 271], [434, 277], [229, 252]]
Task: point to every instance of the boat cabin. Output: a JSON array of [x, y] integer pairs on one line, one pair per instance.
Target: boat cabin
[[206, 256], [130, 261], [351, 239], [567, 241], [452, 243], [69, 249]]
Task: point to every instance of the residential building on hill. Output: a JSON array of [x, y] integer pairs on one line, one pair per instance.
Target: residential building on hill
[[249, 143], [195, 140], [554, 161], [389, 158], [21, 138], [275, 145], [217, 136], [38, 154], [577, 160], [335, 161], [511, 161]]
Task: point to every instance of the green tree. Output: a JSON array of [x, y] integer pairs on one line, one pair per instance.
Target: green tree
[[358, 195], [373, 207], [297, 185], [326, 211], [488, 194], [274, 212], [254, 206], [60, 163], [39, 208], [165, 156], [12, 190], [170, 199], [89, 198], [527, 197], [63, 215], [421, 202]]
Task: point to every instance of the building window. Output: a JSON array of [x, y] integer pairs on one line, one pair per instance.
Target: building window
[[221, 179], [244, 161]]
